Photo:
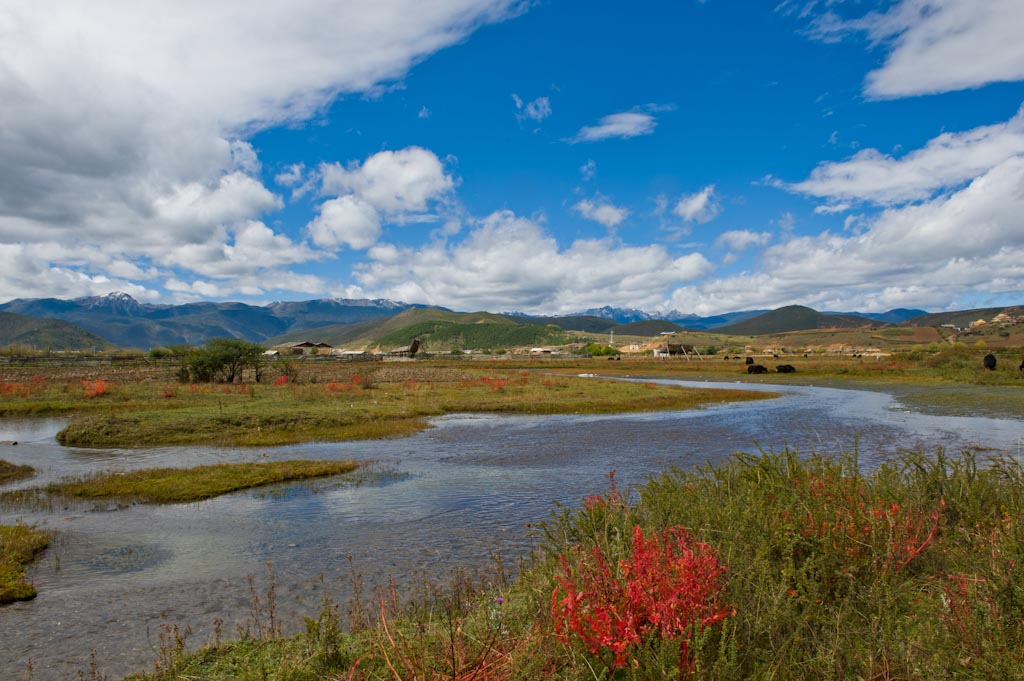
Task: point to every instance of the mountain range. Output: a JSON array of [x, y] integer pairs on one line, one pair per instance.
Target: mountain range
[[120, 320]]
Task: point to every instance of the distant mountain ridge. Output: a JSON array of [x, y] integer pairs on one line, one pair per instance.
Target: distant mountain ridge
[[624, 315], [123, 321], [46, 334]]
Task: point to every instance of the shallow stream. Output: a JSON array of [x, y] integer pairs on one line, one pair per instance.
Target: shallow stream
[[452, 494]]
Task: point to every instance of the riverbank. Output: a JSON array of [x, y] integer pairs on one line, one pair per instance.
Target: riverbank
[[775, 565], [19, 546]]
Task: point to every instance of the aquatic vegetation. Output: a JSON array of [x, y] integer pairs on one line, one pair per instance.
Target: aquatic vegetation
[[175, 485], [10, 472], [19, 545]]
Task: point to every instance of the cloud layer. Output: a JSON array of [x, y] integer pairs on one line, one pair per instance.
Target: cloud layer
[[511, 263], [122, 123]]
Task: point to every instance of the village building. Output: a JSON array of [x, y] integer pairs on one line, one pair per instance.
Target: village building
[[304, 348]]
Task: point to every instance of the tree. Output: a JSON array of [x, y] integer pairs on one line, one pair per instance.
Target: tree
[[221, 359]]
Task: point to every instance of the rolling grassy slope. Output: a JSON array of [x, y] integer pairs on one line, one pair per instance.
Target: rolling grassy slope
[[42, 334], [372, 332], [793, 318]]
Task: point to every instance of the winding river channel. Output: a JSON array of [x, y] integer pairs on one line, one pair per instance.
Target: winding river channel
[[451, 495]]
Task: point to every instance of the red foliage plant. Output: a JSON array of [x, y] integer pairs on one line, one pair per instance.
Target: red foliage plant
[[669, 588], [841, 512], [333, 388], [95, 388], [281, 380]]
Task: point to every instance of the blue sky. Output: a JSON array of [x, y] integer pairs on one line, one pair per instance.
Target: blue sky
[[544, 157]]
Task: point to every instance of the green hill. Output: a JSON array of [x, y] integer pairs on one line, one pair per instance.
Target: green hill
[[584, 323], [439, 336], [46, 334], [651, 327], [963, 318], [368, 333], [793, 318]]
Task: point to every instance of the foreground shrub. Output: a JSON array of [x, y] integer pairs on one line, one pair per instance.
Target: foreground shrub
[[669, 588]]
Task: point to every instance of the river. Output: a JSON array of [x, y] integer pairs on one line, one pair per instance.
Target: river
[[446, 497]]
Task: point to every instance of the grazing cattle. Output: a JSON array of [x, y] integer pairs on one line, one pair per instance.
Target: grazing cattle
[[989, 361], [750, 360], [786, 369], [757, 369]]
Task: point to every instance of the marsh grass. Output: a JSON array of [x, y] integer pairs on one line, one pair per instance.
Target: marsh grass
[[360, 409], [177, 485], [10, 472], [910, 570], [19, 545]]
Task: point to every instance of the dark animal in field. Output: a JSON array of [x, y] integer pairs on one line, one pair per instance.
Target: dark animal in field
[[750, 360], [757, 369], [786, 369], [989, 361], [1022, 365]]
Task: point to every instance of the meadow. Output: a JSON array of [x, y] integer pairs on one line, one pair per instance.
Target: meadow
[[324, 401]]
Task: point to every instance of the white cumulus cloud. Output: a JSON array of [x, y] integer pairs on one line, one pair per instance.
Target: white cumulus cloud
[[393, 186], [346, 220], [917, 255], [939, 45], [602, 211], [622, 125], [126, 122], [946, 161], [537, 110], [508, 262], [701, 207], [391, 181], [742, 239]]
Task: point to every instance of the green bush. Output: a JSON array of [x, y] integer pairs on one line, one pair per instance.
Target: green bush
[[221, 359]]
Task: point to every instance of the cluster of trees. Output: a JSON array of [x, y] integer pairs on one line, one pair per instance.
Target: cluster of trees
[[598, 350], [220, 360]]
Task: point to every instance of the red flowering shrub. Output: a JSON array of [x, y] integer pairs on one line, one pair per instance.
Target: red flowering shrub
[[360, 381], [495, 383], [865, 530], [95, 388], [18, 389], [281, 380], [333, 388], [669, 588]]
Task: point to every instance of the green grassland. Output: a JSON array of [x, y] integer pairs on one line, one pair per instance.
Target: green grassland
[[383, 402], [179, 485]]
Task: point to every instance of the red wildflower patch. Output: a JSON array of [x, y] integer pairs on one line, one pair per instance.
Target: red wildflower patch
[[94, 388], [669, 588]]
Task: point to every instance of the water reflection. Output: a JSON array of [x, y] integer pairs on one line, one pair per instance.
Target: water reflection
[[466, 486]]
